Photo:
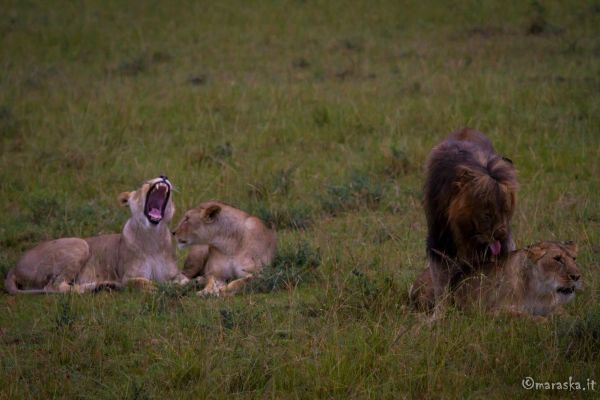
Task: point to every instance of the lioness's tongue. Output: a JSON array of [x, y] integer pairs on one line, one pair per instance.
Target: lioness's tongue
[[495, 247], [155, 213]]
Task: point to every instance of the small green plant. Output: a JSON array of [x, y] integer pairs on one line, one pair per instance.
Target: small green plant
[[65, 315], [358, 191], [167, 298], [397, 162], [291, 267], [44, 206], [227, 318], [282, 180], [321, 116], [579, 338], [286, 218], [222, 151], [369, 295]]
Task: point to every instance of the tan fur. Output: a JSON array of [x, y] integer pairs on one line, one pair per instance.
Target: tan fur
[[229, 246], [526, 283], [142, 253]]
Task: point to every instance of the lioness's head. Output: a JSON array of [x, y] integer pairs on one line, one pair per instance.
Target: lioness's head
[[201, 224], [152, 202], [552, 272]]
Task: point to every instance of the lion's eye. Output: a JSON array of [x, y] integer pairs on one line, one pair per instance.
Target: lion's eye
[[558, 258]]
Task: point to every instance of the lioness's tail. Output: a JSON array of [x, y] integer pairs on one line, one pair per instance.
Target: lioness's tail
[[10, 285]]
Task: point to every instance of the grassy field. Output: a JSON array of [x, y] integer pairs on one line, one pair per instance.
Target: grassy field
[[316, 116]]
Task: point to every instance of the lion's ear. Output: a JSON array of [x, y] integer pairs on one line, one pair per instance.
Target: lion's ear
[[571, 247], [211, 213], [535, 252], [124, 198]]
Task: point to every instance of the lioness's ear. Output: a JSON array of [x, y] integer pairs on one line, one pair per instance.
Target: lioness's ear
[[535, 252], [124, 198], [571, 247], [211, 213]]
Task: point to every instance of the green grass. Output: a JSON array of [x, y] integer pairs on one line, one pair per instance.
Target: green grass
[[318, 117]]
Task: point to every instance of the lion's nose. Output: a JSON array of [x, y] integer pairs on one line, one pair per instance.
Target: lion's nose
[[164, 177], [574, 277]]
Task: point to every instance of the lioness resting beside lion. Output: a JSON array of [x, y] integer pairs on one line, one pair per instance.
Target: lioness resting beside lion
[[536, 280], [229, 246], [142, 253]]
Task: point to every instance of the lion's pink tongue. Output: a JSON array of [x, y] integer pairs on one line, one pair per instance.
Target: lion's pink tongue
[[155, 213], [495, 247]]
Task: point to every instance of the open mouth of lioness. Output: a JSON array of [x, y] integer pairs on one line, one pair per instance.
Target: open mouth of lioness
[[566, 290], [156, 201]]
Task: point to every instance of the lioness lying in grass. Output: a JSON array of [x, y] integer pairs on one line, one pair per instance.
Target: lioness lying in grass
[[536, 280], [142, 253], [228, 246]]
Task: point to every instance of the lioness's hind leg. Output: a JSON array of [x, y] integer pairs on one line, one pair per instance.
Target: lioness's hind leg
[[235, 286], [66, 258], [195, 261]]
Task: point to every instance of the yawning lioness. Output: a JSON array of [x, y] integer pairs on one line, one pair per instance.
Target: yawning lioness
[[142, 253]]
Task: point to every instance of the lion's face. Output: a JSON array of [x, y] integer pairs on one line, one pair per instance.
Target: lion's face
[[198, 225], [151, 203], [553, 272], [480, 220]]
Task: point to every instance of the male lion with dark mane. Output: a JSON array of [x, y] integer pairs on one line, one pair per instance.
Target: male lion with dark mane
[[141, 254], [469, 202]]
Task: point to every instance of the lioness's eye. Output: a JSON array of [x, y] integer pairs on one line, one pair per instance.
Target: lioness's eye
[[558, 258]]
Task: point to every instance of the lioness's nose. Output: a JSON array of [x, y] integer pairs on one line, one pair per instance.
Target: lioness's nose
[[164, 177], [575, 277]]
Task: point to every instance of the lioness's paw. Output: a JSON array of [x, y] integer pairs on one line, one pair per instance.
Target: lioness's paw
[[181, 280], [208, 293], [77, 289]]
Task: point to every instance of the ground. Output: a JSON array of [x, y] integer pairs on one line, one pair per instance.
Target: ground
[[316, 116]]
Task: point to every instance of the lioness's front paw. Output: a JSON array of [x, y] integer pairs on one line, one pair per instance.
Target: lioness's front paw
[[200, 280], [65, 287], [182, 280], [207, 293]]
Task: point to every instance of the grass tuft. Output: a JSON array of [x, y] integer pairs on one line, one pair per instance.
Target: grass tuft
[[357, 192], [580, 339], [290, 269], [66, 315], [282, 218]]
